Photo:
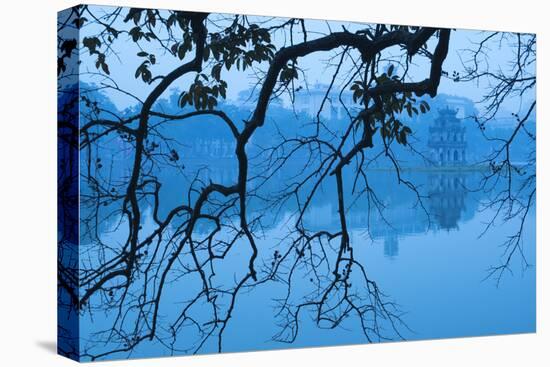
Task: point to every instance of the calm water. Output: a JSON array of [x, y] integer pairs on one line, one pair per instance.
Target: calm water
[[433, 268]]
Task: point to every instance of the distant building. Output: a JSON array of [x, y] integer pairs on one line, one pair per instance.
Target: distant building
[[460, 104], [249, 98], [309, 101], [447, 139], [213, 148]]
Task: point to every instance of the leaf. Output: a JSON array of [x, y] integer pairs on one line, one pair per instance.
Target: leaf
[[113, 31], [409, 109], [151, 18], [424, 106], [91, 43], [216, 71], [134, 14], [181, 52], [68, 46], [183, 99], [206, 54], [135, 33], [212, 102], [105, 68], [357, 94], [79, 22], [146, 75], [402, 138]]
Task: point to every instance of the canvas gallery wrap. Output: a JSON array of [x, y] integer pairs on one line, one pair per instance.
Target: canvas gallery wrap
[[239, 183]]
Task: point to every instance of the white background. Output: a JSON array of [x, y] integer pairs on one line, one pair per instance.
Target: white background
[[28, 182]]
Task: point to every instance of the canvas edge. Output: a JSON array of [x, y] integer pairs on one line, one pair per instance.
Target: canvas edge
[[68, 325]]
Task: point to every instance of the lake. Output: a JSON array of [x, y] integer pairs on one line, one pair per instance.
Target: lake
[[430, 260]]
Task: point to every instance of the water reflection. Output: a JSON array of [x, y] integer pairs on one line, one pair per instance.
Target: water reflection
[[391, 245], [444, 199], [447, 198], [426, 255]]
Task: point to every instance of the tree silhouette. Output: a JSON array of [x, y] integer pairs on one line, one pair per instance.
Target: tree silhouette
[[123, 156], [512, 79]]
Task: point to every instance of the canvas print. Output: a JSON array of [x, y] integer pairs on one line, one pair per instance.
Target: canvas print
[[234, 182]]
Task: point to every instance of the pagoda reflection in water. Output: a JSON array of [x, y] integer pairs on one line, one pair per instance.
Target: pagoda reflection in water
[[445, 198]]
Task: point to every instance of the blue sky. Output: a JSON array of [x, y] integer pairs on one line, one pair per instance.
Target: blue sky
[[124, 62]]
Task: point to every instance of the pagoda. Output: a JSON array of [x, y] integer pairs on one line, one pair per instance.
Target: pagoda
[[447, 139]]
